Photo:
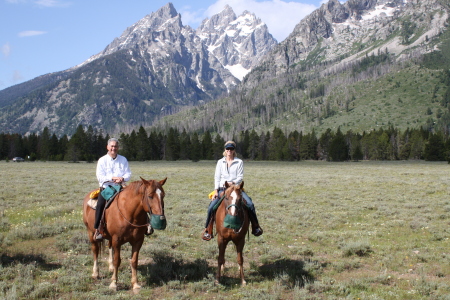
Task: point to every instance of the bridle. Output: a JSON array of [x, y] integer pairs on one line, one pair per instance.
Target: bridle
[[237, 205], [143, 200]]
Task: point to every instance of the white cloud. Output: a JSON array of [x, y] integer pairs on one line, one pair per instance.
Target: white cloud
[[17, 76], [279, 16], [31, 33], [190, 17], [6, 49], [52, 3]]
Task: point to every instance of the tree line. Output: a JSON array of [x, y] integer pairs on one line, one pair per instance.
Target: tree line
[[89, 145]]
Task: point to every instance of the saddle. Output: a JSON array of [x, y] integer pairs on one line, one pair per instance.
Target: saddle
[[109, 194]]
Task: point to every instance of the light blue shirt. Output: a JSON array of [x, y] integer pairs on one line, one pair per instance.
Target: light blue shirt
[[234, 173], [108, 167]]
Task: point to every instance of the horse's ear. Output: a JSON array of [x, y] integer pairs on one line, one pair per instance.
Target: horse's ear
[[143, 180], [226, 184], [163, 181], [241, 185]]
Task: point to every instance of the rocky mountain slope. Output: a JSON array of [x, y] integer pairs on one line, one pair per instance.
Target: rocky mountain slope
[[360, 65], [155, 68]]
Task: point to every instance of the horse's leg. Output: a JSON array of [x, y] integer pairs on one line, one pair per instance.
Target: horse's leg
[[110, 258], [134, 263], [240, 258], [116, 263], [95, 247], [222, 243]]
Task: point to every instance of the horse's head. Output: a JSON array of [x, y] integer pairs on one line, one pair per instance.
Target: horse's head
[[153, 202], [233, 198]]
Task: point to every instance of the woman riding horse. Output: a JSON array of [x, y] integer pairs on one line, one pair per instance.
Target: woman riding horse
[[229, 169]]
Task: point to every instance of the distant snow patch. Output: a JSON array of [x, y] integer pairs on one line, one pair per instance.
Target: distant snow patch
[[238, 71]]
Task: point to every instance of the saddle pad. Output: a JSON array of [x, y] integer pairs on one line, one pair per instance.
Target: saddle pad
[[92, 203]]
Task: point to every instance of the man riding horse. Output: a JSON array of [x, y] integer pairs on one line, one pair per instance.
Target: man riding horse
[[112, 170]]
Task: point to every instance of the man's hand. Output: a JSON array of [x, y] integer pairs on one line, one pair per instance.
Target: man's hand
[[118, 179]]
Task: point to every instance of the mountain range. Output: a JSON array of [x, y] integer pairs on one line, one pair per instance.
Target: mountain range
[[155, 68], [357, 65]]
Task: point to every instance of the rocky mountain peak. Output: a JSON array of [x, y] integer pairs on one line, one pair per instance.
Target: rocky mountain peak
[[238, 42], [357, 27]]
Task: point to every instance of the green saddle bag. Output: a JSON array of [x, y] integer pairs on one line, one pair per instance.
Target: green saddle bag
[[110, 191]]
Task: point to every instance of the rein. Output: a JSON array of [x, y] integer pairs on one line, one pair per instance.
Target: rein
[[134, 225]]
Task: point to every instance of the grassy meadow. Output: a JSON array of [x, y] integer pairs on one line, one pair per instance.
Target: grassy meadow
[[359, 230]]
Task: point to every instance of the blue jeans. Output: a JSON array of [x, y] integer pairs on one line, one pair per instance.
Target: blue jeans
[[248, 200]]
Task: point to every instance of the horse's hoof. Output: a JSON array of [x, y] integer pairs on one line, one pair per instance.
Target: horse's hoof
[[136, 286], [244, 283], [113, 286]]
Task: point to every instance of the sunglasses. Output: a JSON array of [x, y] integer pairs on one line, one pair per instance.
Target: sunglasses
[[231, 149]]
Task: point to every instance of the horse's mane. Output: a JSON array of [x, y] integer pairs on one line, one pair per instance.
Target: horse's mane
[[139, 187], [136, 186]]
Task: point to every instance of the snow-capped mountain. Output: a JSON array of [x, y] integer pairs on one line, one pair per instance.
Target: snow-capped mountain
[[156, 67], [237, 42]]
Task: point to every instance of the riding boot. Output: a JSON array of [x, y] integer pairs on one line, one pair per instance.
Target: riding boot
[[208, 232], [256, 229]]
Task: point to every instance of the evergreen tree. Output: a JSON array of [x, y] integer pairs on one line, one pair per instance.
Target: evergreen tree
[[90, 140], [185, 145], [253, 143], [434, 148], [207, 146], [31, 146], [142, 145], [263, 146], [3, 146], [218, 147], [131, 146], [417, 142], [172, 146], [276, 143], [338, 149], [76, 149], [155, 142], [43, 151], [53, 148], [324, 144], [63, 145], [16, 147], [195, 148]]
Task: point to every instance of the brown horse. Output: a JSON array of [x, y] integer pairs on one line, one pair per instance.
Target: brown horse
[[127, 222], [232, 210]]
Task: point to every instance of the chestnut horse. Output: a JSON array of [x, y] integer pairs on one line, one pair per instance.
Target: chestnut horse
[[231, 210], [127, 222]]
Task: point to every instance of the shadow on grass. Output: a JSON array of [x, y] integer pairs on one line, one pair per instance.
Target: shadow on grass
[[167, 268], [293, 272], [39, 260]]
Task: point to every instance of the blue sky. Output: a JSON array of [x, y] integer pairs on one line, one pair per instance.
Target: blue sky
[[44, 36]]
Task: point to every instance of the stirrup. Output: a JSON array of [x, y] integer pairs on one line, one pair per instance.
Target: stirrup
[[257, 231], [97, 235], [206, 236]]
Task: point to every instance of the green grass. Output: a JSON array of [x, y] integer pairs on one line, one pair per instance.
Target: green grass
[[367, 230]]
